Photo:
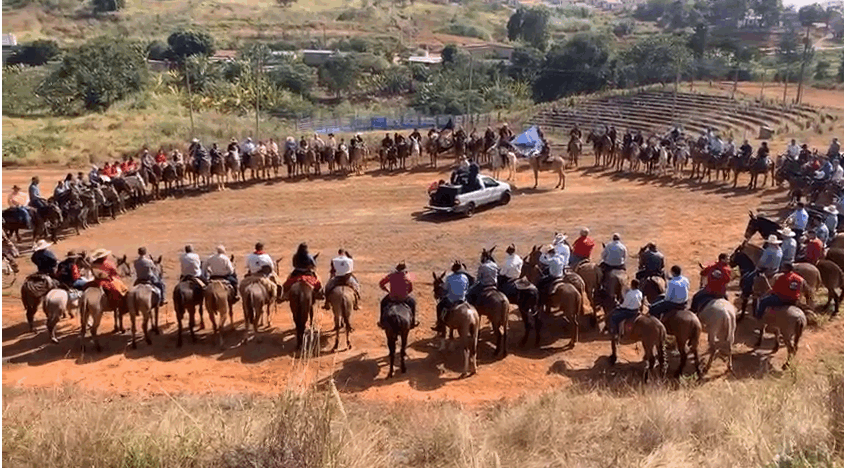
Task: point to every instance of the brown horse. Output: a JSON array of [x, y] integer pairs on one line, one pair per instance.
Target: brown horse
[[33, 290], [494, 305], [302, 298], [187, 297], [601, 146], [575, 147], [788, 322], [342, 300], [257, 292], [217, 297], [643, 329], [556, 165], [463, 318], [686, 328]]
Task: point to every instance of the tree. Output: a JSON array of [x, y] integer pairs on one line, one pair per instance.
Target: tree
[[841, 70], [530, 25], [339, 74], [98, 74], [285, 3], [525, 64], [822, 70], [788, 48], [293, 75], [655, 59], [810, 14], [768, 11], [106, 6], [35, 53], [580, 65], [185, 43], [451, 55]]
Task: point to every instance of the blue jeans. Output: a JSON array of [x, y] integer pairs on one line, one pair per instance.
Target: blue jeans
[[574, 259], [79, 284], [25, 214], [771, 300], [619, 315], [661, 307]]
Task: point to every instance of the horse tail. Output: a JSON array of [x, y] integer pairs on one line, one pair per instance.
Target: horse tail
[[798, 330], [661, 349]]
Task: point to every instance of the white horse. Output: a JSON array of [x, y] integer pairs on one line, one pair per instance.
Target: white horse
[[57, 304], [503, 157], [663, 160], [681, 156], [415, 152]]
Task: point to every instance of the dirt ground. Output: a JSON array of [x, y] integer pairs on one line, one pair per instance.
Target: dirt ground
[[376, 217]]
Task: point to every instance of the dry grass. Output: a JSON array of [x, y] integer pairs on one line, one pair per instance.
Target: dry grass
[[791, 420]]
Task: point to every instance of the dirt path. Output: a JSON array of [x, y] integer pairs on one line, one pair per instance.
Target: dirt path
[[375, 218]]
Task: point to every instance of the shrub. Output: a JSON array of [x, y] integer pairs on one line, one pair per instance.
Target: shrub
[[159, 50], [35, 53], [106, 6], [185, 43], [466, 30]]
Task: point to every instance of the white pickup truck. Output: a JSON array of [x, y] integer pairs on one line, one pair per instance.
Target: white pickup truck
[[450, 198]]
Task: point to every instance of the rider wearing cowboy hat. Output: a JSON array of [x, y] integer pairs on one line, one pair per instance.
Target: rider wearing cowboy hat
[[399, 292], [67, 271], [456, 287], [43, 258]]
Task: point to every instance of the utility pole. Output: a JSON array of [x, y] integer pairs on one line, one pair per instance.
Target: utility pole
[[468, 95], [803, 64], [762, 91], [676, 89], [785, 85], [190, 99], [257, 94]]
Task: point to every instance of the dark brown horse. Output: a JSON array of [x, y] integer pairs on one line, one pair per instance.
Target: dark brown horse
[[302, 299], [187, 297]]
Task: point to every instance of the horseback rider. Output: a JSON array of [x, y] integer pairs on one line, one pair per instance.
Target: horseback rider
[[233, 147], [614, 255], [555, 271], [676, 294], [259, 263], [318, 143], [107, 277], [784, 292], [638, 138], [67, 272], [400, 292], [332, 142], [505, 134], [18, 202], [834, 149], [717, 277], [799, 220], [247, 147], [629, 308], [511, 270], [387, 142], [730, 147], [161, 158], [805, 154], [575, 133], [613, 134], [716, 146], [146, 271], [487, 278], [792, 151], [398, 139], [191, 267], [44, 259], [561, 248], [342, 272], [304, 264], [220, 267], [789, 245], [581, 248], [216, 157], [652, 263], [764, 152], [35, 199], [303, 144], [94, 175], [831, 219], [814, 250], [415, 135], [769, 263], [456, 287]]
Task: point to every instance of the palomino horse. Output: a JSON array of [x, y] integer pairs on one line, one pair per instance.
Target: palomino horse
[[686, 328], [143, 298], [357, 159], [217, 302], [556, 165], [719, 318], [787, 322], [643, 329], [342, 300], [257, 165], [463, 318], [397, 323]]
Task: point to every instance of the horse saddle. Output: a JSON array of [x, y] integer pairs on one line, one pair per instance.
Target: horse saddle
[[197, 282], [149, 283]]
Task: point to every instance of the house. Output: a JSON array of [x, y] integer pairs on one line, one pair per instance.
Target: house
[[10, 45], [489, 49], [315, 57], [426, 59]]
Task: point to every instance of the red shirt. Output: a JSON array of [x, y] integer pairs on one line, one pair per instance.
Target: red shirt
[[717, 277], [814, 250], [106, 267], [400, 286], [788, 286], [583, 246], [110, 171], [160, 158]]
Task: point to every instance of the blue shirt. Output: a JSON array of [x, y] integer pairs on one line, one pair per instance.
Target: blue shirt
[[823, 233], [488, 274], [770, 259], [831, 222], [614, 254], [789, 249], [801, 219], [34, 192], [677, 290], [456, 287]]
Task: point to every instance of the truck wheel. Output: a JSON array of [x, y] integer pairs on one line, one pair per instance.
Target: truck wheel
[[505, 198], [470, 210]]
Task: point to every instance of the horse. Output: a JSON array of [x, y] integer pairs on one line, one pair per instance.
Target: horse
[[681, 157], [290, 161], [309, 161], [342, 300], [187, 296], [761, 224], [397, 323], [217, 295], [644, 329], [144, 298], [719, 318], [257, 165], [95, 301], [601, 146], [415, 152], [465, 319], [503, 158], [785, 321], [232, 166], [357, 159], [575, 147], [56, 303], [685, 327], [218, 172], [563, 294], [256, 292], [302, 298], [556, 165], [494, 305]]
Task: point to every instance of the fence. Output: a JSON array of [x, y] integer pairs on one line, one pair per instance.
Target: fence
[[402, 122]]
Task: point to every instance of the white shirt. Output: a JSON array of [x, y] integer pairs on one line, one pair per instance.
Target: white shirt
[[563, 251], [556, 267], [219, 265], [343, 265], [512, 267], [632, 300], [729, 147], [191, 264], [793, 151], [838, 173], [254, 262]]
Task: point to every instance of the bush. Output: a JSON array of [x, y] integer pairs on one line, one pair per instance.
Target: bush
[[466, 30], [19, 85], [106, 6], [294, 76], [159, 50], [185, 43], [100, 73], [623, 28], [35, 53]]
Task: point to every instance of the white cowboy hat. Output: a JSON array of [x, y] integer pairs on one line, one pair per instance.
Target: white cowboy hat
[[559, 237], [41, 245], [831, 209], [100, 253], [787, 232], [773, 239], [94, 167], [195, 140]]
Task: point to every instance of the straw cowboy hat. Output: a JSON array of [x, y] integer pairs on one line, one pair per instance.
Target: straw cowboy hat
[[41, 245], [787, 232], [100, 253], [773, 239], [831, 209]]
